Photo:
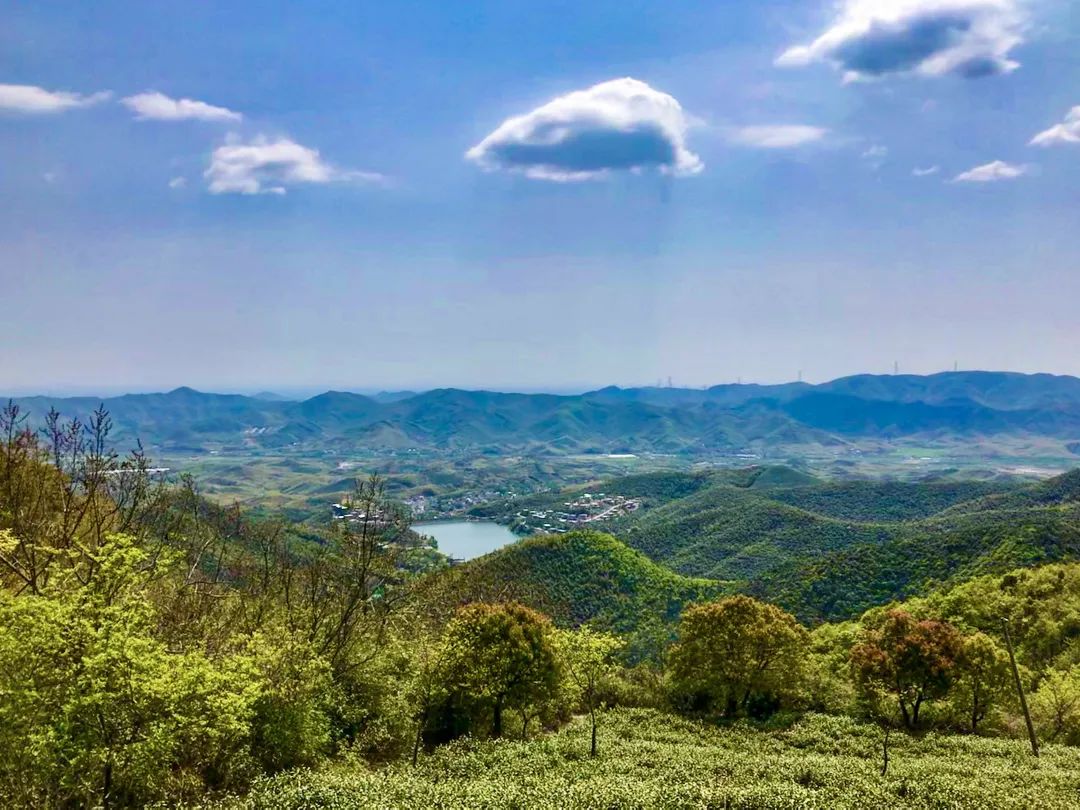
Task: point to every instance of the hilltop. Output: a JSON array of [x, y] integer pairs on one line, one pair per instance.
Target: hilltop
[[580, 577]]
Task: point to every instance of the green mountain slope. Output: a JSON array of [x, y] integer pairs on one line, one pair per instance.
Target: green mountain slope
[[580, 577], [830, 550]]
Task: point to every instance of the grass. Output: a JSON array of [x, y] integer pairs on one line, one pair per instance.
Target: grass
[[650, 759]]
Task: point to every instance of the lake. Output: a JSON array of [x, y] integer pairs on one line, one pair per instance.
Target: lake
[[465, 539]]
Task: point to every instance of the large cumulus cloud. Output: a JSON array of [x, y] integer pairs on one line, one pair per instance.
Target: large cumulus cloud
[[875, 38], [622, 124]]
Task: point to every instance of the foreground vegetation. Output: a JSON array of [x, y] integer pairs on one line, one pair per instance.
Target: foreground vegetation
[[651, 759]]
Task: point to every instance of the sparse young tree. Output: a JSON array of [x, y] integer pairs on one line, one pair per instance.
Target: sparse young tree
[[588, 657], [62, 491], [734, 649]]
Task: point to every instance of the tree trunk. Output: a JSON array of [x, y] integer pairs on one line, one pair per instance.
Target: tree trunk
[[885, 752], [732, 707], [496, 719], [904, 713], [915, 712], [419, 736], [592, 716], [106, 791]]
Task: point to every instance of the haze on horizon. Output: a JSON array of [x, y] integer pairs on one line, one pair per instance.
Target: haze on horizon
[[611, 194]]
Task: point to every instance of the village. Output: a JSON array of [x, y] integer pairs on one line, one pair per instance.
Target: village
[[589, 508]]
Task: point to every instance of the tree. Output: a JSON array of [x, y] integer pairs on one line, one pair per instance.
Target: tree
[[502, 656], [735, 649], [983, 678], [1056, 705], [62, 491], [588, 659], [915, 661]]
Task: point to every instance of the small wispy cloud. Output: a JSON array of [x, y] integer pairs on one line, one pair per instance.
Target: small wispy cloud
[[927, 171], [270, 165], [178, 182], [776, 136], [871, 39], [154, 106], [32, 100], [874, 156], [1068, 131], [619, 125], [992, 172]]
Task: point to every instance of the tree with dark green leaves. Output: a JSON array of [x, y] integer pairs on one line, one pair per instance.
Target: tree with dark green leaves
[[735, 650], [502, 657]]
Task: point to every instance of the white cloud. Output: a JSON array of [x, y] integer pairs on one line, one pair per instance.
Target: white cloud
[[929, 170], [26, 98], [622, 124], [873, 38], [991, 172], [154, 106], [874, 156], [268, 166], [1068, 131], [178, 182], [776, 136]]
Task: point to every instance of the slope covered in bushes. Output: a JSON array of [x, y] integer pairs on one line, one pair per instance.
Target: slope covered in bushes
[[654, 760]]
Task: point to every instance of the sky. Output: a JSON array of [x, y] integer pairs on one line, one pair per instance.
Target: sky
[[534, 195]]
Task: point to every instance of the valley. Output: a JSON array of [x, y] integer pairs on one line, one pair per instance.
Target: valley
[[449, 450]]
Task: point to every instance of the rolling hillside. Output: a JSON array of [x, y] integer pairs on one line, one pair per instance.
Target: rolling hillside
[[822, 549], [581, 577]]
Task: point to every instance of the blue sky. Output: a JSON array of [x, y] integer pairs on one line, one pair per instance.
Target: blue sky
[[296, 208]]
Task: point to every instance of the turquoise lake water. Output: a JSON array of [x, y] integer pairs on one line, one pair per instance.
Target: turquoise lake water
[[465, 539]]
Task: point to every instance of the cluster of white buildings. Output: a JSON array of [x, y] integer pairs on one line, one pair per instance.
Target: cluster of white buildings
[[587, 509]]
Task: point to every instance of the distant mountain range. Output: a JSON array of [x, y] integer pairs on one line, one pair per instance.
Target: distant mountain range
[[945, 406]]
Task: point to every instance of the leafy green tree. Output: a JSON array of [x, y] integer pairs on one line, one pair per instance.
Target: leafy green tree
[[983, 678], [98, 712], [503, 656], [589, 659], [736, 649], [1056, 706], [827, 685], [913, 660]]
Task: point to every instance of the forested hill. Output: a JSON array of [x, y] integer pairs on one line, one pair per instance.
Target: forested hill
[[954, 405], [823, 549]]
